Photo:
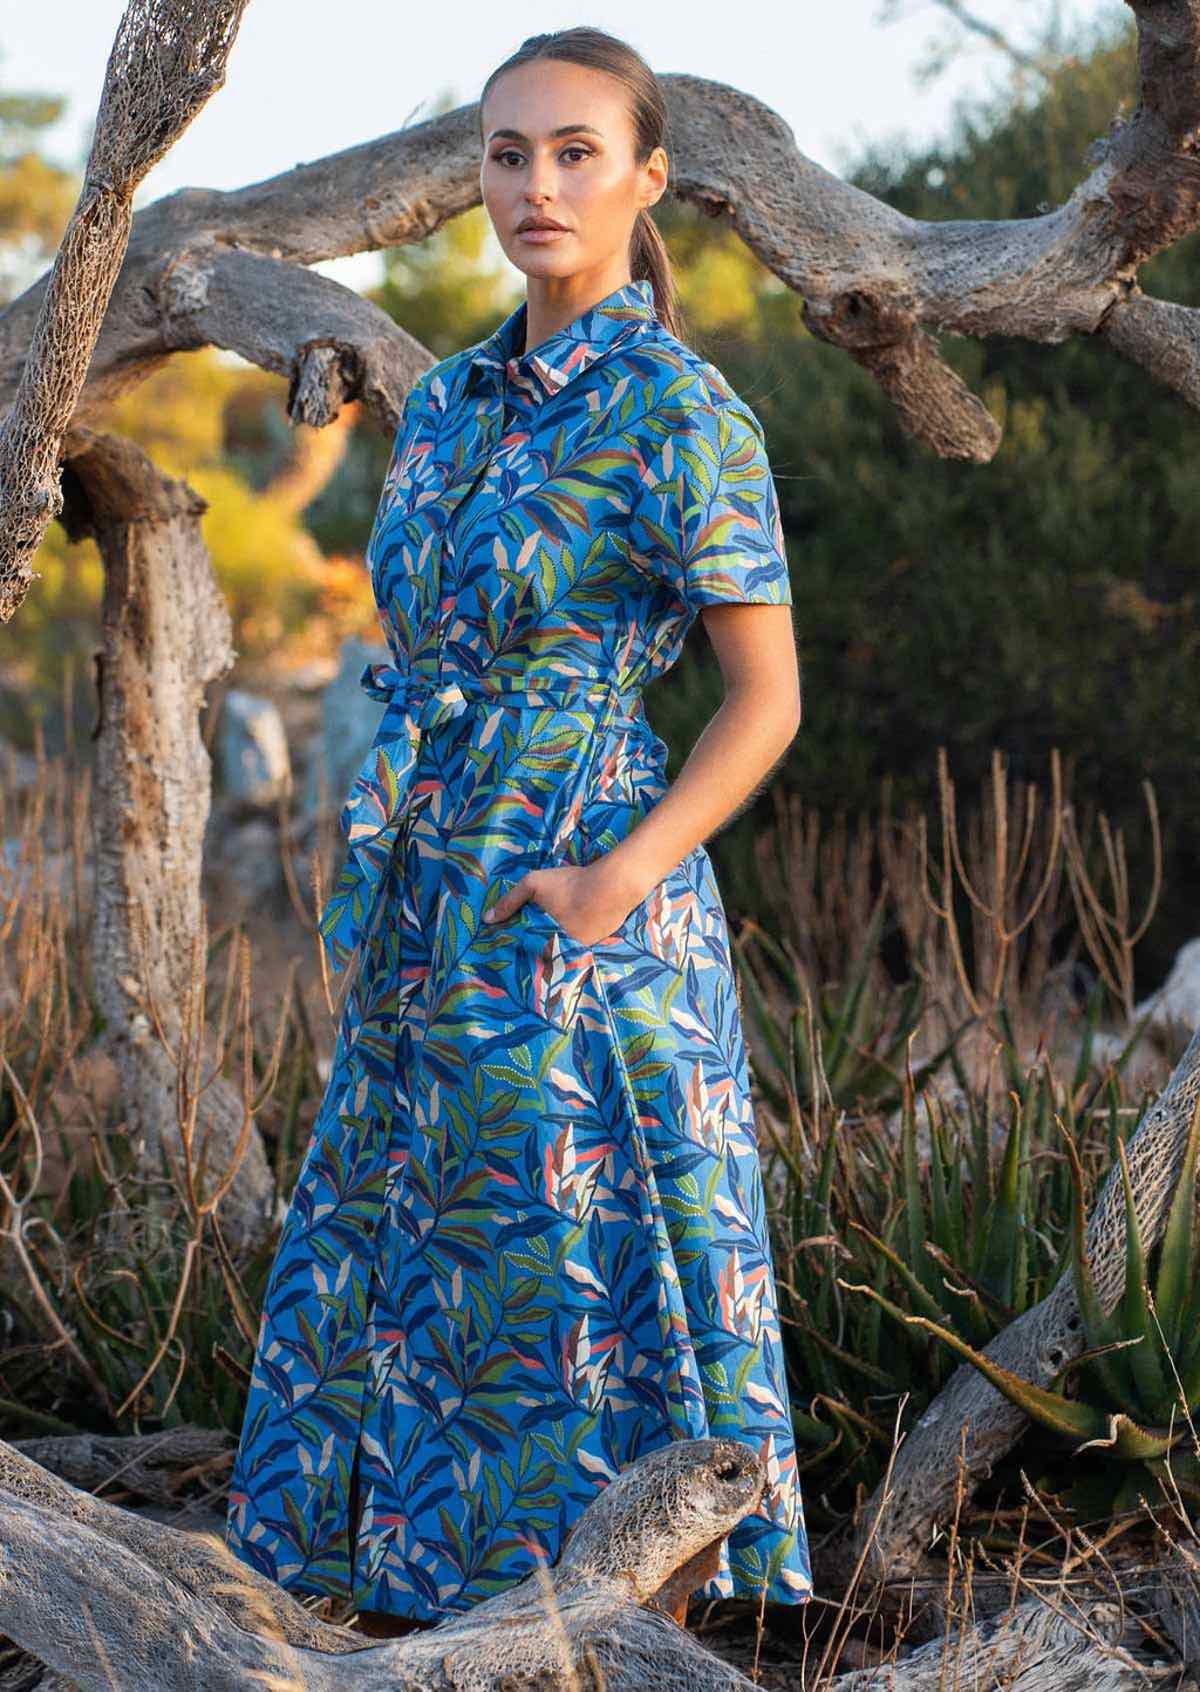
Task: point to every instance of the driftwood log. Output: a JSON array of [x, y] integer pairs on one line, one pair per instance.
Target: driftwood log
[[103, 1596], [1033, 1647], [100, 1596], [144, 1466]]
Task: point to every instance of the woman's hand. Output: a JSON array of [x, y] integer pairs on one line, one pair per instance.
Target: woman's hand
[[587, 901]]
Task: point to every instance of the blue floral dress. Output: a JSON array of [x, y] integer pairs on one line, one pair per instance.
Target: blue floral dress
[[527, 1240]]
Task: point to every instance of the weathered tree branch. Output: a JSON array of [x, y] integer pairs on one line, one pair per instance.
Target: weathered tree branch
[[330, 343], [169, 56], [874, 282], [1034, 1647], [106, 1597], [138, 1463]]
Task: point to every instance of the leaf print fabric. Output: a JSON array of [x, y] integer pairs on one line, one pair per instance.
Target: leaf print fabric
[[709, 510], [527, 1241]]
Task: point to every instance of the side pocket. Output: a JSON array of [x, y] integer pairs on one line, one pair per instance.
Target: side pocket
[[645, 926], [533, 919]]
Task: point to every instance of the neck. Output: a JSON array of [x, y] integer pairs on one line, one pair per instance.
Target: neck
[[551, 302]]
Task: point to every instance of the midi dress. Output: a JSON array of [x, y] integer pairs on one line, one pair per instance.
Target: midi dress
[[527, 1241]]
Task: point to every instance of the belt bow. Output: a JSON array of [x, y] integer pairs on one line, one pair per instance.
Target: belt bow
[[381, 798]]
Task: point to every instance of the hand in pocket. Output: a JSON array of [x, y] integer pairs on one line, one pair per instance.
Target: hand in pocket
[[582, 899]]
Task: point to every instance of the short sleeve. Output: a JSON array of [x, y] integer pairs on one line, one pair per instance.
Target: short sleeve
[[708, 511]]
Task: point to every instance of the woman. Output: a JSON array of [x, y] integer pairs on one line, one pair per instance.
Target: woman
[[527, 1242]]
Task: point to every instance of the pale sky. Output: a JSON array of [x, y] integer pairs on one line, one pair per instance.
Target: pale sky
[[310, 77]]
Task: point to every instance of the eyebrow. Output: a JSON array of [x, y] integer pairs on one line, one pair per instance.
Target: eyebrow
[[566, 129]]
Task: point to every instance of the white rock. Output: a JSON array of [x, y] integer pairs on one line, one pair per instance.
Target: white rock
[[1176, 1004], [252, 749]]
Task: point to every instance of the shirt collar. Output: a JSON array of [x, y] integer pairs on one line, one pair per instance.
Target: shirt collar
[[497, 362]]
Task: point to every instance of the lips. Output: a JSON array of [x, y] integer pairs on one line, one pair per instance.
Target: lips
[[524, 228]]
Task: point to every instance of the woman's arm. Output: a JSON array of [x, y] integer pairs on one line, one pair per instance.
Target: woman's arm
[[706, 516], [733, 757], [754, 726]]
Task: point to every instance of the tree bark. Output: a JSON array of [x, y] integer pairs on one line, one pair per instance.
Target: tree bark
[[166, 635], [169, 56], [104, 1597]]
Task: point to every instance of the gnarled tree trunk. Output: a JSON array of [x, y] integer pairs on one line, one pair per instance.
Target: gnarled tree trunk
[[167, 635]]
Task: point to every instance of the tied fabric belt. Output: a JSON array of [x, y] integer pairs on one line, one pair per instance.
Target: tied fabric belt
[[374, 815]]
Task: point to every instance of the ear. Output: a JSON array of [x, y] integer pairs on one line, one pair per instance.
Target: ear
[[656, 171]]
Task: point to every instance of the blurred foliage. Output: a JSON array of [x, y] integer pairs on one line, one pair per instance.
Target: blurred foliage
[[1048, 598], [454, 288], [1045, 600], [36, 197], [190, 416]]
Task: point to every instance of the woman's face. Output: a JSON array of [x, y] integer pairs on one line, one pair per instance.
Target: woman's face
[[558, 143]]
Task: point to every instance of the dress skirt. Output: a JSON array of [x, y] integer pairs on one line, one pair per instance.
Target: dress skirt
[[527, 1242]]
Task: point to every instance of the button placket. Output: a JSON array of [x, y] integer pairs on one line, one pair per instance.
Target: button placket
[[448, 555]]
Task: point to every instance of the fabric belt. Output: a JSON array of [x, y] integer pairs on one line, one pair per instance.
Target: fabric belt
[[381, 798]]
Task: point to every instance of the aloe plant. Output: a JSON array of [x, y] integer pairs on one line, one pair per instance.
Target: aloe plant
[[1139, 1373], [847, 1044], [954, 1228], [942, 1231]]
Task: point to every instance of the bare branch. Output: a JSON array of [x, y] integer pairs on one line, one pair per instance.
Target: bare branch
[[1041, 64], [168, 58]]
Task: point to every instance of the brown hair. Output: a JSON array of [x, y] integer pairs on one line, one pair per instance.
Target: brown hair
[[583, 45]]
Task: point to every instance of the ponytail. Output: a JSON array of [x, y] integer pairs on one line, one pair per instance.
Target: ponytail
[[649, 261]]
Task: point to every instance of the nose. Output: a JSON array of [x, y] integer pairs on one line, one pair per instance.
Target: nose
[[540, 183]]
